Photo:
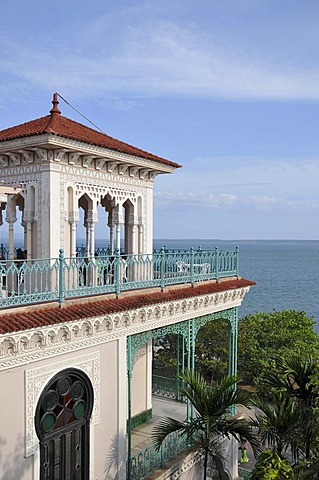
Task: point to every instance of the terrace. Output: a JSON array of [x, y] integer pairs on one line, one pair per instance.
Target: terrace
[[145, 459]]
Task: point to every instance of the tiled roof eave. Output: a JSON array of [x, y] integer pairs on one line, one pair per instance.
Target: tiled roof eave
[[44, 316], [59, 125], [112, 154], [45, 140]]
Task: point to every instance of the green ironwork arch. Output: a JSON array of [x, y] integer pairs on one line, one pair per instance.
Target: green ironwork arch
[[182, 328], [189, 330]]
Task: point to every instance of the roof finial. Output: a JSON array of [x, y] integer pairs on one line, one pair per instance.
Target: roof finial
[[55, 103]]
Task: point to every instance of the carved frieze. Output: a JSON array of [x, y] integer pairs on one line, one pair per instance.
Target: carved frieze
[[27, 156], [111, 167], [4, 161], [41, 154], [123, 169], [14, 159], [29, 346], [74, 158], [100, 163], [87, 161]]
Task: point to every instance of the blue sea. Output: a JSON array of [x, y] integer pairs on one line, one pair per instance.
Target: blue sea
[[286, 272]]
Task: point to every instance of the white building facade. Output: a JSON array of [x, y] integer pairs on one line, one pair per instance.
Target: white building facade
[[76, 328]]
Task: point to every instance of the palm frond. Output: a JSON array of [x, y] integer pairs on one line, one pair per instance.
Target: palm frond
[[165, 427]]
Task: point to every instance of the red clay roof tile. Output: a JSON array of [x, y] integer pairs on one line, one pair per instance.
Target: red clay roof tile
[[33, 318], [56, 124]]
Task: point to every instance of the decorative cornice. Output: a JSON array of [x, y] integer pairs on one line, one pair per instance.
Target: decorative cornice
[[33, 143], [35, 344]]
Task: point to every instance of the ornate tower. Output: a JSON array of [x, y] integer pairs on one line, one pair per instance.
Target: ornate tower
[[63, 166]]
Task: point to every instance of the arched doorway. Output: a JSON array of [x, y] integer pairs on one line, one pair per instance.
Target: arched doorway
[[62, 425]]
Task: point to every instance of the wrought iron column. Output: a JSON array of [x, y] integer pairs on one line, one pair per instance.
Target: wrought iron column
[[232, 348], [129, 406], [188, 360], [232, 342], [177, 366], [193, 336]]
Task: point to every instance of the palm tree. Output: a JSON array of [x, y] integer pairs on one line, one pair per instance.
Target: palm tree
[[298, 378], [278, 423], [211, 421]]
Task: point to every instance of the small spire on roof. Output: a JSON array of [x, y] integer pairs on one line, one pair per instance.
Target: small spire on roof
[[55, 103]]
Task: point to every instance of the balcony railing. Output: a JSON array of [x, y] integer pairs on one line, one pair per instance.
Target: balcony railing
[[32, 281], [167, 387], [150, 459]]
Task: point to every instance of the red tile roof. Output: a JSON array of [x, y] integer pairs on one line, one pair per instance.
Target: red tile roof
[[41, 317], [56, 124]]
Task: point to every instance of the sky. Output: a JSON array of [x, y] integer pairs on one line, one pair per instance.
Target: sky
[[227, 88]]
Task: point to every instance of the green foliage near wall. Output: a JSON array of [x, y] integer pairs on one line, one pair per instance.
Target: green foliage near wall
[[263, 337], [211, 350], [271, 466]]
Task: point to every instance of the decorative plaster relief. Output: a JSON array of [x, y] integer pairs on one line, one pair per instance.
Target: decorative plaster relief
[[37, 378], [113, 155], [141, 353], [27, 156], [4, 160], [100, 191], [110, 175], [15, 159]]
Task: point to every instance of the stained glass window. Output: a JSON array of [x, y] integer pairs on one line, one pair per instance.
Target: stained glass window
[[62, 425]]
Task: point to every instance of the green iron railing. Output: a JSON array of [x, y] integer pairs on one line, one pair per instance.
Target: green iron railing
[[167, 387], [149, 459], [32, 281], [244, 474]]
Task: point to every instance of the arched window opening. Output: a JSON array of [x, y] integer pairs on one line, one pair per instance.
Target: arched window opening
[[62, 425]]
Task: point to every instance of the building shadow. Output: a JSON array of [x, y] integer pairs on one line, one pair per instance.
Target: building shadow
[[13, 465], [115, 467]]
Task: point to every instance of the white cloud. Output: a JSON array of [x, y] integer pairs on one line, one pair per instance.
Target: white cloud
[[195, 199], [155, 57], [243, 186]]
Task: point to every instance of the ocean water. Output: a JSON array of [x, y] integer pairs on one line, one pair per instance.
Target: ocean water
[[286, 272]]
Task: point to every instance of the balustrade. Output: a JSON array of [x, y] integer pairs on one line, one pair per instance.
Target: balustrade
[[149, 459], [38, 280]]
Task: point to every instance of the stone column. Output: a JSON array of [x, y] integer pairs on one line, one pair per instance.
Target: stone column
[[110, 224], [91, 221], [28, 219], [24, 225], [73, 239], [133, 220], [140, 237], [118, 221], [73, 221], [87, 238], [11, 218]]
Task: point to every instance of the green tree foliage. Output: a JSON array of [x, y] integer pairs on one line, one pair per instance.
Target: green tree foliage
[[290, 420], [211, 419], [263, 337], [211, 350], [272, 466], [297, 376], [277, 422]]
